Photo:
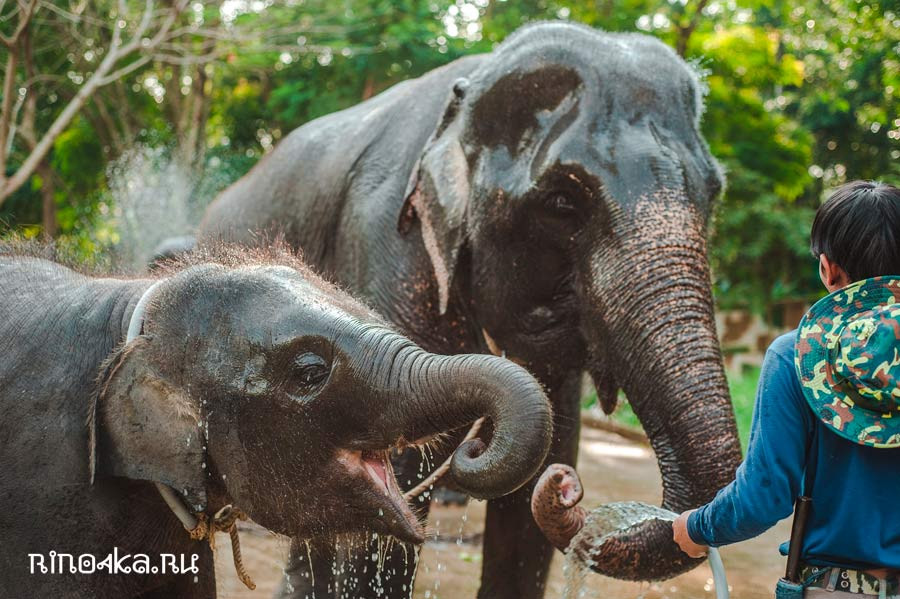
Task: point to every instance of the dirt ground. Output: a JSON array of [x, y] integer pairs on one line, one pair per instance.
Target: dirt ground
[[611, 468]]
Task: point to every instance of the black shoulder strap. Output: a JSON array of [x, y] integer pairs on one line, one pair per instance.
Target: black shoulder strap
[[802, 507], [812, 458]]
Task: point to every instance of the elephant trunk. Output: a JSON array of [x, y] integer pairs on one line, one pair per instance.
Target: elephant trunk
[[426, 394], [676, 385], [554, 504], [658, 336]]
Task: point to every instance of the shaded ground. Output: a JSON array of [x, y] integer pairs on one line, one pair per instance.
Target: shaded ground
[[612, 470]]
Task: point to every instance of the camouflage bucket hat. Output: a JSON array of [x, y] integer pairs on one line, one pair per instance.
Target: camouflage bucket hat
[[848, 358]]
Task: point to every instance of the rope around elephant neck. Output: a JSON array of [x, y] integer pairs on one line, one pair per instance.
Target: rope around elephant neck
[[443, 468], [225, 520], [198, 524]]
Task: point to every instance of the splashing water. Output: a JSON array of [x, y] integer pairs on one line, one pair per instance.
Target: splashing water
[[602, 523], [151, 201], [608, 520], [154, 197], [439, 565], [312, 574], [462, 524]]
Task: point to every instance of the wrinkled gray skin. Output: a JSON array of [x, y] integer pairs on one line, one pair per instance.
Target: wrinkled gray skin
[[550, 200], [253, 384]]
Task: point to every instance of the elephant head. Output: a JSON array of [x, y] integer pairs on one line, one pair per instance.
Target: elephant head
[[568, 190], [259, 385]]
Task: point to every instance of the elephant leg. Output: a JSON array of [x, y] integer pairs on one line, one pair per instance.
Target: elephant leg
[[381, 568], [449, 496], [189, 586], [326, 572], [516, 555], [308, 572]]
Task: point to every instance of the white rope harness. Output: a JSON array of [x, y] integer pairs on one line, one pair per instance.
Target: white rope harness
[[134, 330], [201, 528]]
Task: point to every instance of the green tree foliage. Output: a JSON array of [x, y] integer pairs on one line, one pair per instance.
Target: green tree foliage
[[801, 96]]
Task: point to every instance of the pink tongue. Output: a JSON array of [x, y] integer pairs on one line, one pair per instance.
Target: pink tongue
[[378, 466]]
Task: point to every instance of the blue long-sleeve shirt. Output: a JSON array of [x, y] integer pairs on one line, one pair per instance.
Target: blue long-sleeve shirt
[[855, 516]]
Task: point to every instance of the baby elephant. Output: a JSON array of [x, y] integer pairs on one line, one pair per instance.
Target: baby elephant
[[246, 381]]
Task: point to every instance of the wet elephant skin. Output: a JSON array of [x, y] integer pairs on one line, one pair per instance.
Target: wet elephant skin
[[253, 383], [549, 200]]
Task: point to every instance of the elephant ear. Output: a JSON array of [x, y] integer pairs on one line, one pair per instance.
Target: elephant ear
[[146, 428], [438, 194]]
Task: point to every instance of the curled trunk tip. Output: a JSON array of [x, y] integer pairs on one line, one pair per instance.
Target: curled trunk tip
[[430, 394], [554, 504], [522, 426]]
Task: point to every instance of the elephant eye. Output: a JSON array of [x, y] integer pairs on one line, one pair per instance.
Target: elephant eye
[[309, 370], [561, 204]]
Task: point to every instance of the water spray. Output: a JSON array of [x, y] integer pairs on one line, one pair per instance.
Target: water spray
[[593, 541]]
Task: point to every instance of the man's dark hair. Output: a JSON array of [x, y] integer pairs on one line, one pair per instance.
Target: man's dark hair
[[858, 228]]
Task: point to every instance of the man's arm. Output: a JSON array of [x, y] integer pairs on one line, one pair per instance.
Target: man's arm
[[683, 539], [768, 481]]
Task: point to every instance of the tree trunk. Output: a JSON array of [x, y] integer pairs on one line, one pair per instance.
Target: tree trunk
[[194, 137], [686, 31], [9, 84], [369, 88], [48, 195]]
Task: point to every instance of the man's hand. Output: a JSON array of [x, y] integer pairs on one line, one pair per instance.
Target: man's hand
[[683, 539]]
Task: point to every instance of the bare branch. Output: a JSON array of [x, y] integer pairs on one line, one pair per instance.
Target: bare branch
[[310, 49], [237, 35], [155, 31], [119, 89], [103, 123], [73, 18], [9, 83], [20, 99], [189, 59], [42, 78], [26, 11], [685, 31], [129, 68], [29, 97], [102, 76], [137, 40]]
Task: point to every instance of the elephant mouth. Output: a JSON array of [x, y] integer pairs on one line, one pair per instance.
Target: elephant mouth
[[541, 329], [379, 469], [391, 513]]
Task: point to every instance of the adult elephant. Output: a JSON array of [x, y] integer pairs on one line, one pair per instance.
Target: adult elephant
[[549, 200]]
